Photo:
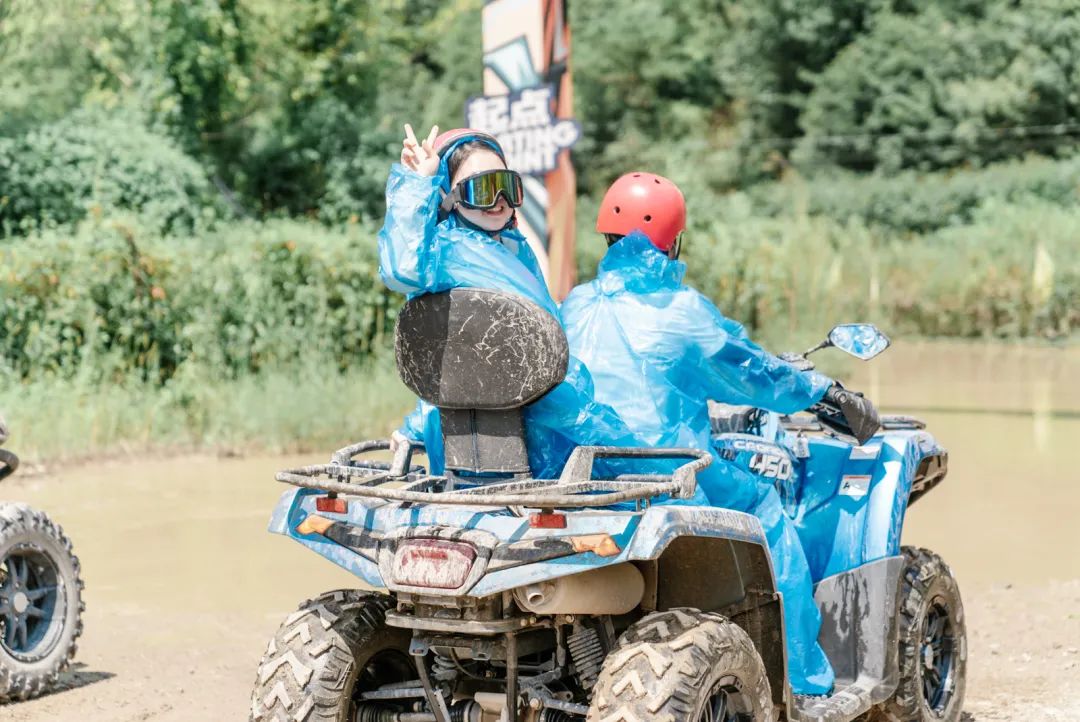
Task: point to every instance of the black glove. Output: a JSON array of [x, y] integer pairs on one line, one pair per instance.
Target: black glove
[[849, 412]]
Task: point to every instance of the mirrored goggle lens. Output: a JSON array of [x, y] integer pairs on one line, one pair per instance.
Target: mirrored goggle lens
[[482, 190]]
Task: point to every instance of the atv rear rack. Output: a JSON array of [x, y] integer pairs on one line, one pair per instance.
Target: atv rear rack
[[401, 482]]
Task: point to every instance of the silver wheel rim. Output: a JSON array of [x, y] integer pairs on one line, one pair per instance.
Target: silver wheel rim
[[32, 603]]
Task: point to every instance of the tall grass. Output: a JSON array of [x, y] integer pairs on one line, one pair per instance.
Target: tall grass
[[1012, 272], [313, 406], [274, 335]]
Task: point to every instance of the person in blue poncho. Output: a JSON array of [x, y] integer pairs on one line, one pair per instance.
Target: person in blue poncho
[[658, 351], [450, 223]]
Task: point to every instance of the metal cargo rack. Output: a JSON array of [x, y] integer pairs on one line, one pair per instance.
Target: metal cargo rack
[[400, 481]]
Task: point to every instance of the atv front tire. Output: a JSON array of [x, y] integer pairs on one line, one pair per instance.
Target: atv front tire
[[933, 643], [40, 602], [327, 652], [682, 665]]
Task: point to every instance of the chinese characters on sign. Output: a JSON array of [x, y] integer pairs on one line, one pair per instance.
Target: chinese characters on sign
[[527, 103], [525, 127]]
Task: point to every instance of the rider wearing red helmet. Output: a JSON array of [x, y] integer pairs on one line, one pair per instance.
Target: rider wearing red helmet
[[648, 203], [658, 351]]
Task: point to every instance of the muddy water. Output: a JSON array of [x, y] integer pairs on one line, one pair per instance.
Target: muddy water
[[190, 532], [1010, 418], [184, 585], [185, 533]]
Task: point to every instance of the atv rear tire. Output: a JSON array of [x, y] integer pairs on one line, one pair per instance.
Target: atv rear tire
[[40, 602], [325, 653], [682, 665], [933, 643]]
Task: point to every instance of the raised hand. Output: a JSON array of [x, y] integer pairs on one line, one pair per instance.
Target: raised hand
[[417, 156]]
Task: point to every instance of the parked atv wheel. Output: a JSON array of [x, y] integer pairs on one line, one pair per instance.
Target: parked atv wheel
[[325, 654], [682, 665], [40, 602], [933, 643], [9, 463]]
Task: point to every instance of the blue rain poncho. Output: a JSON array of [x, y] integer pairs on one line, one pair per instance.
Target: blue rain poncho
[[420, 254], [657, 351]]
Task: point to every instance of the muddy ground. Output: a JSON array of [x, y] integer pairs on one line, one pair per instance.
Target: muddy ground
[[139, 664], [184, 586], [179, 638]]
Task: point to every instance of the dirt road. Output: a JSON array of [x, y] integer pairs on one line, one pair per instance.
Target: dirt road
[[140, 664]]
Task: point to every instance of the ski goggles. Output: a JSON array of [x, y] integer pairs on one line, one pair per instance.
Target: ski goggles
[[482, 191]]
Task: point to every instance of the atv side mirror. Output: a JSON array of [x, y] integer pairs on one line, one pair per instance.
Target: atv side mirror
[[861, 340]]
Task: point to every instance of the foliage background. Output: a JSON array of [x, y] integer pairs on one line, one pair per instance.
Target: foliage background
[[189, 189]]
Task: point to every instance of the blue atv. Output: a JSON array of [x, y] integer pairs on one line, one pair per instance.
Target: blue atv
[[504, 597]]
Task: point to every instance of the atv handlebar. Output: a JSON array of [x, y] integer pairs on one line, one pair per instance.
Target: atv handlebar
[[848, 412]]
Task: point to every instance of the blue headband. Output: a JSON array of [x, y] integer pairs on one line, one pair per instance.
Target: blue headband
[[444, 161]]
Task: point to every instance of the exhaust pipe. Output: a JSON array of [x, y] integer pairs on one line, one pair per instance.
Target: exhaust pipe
[[615, 589]]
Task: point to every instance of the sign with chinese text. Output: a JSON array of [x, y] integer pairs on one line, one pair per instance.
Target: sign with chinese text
[[523, 122], [527, 104]]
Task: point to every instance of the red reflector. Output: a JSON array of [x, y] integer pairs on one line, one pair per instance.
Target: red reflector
[[547, 521], [433, 563], [336, 506]]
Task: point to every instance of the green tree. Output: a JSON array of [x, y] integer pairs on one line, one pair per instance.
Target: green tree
[[652, 89], [933, 90]]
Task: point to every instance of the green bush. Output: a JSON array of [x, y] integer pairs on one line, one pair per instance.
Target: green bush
[[114, 302], [90, 163], [1013, 272], [306, 406], [913, 202]]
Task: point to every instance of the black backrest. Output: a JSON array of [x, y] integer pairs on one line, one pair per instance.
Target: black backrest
[[479, 356]]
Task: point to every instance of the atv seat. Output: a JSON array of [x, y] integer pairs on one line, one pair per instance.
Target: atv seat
[[479, 356]]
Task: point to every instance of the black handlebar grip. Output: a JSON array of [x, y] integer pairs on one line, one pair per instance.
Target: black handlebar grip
[[858, 411]]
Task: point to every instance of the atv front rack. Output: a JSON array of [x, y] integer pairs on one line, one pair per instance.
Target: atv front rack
[[575, 488]]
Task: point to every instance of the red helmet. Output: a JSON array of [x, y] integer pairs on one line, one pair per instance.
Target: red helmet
[[644, 202], [450, 139]]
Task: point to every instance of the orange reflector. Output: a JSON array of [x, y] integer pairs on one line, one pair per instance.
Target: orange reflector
[[547, 521], [602, 545], [314, 524], [334, 506]]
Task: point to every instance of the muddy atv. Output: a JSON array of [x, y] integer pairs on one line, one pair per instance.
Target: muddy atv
[[40, 596], [504, 597]]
